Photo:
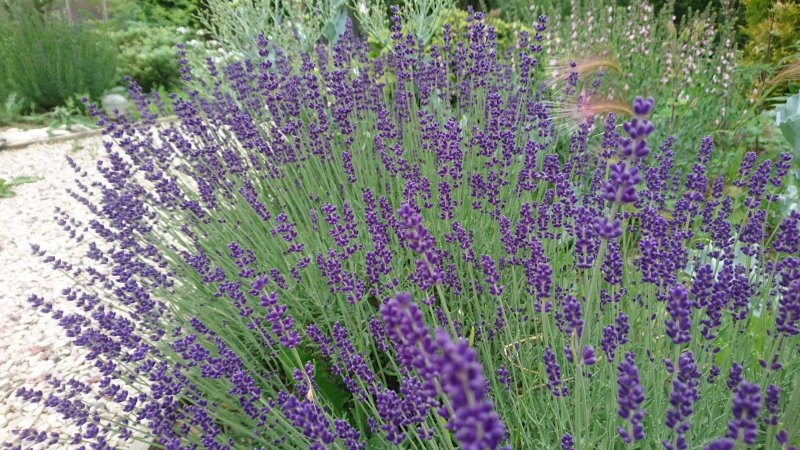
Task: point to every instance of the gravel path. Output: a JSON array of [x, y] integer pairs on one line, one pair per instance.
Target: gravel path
[[31, 344]]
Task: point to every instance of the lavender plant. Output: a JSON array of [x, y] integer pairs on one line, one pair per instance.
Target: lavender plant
[[398, 252]]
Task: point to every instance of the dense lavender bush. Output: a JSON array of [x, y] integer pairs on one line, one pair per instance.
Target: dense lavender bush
[[357, 253]]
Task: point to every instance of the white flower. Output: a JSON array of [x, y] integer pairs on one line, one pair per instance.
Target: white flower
[[181, 30], [362, 8]]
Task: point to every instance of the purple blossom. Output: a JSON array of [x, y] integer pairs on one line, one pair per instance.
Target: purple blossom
[[609, 342], [630, 395], [713, 374], [788, 319], [746, 406], [608, 229], [621, 184], [504, 377], [588, 355], [734, 376], [567, 442], [282, 323], [720, 444], [771, 402], [572, 316], [612, 266], [470, 412], [681, 399], [679, 326], [553, 374], [491, 275], [308, 417], [428, 268]]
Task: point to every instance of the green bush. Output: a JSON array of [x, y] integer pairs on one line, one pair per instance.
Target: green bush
[[147, 54], [772, 30], [48, 60], [156, 12], [507, 32]]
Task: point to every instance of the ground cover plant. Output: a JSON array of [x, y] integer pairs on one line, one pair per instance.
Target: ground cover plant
[[412, 251]]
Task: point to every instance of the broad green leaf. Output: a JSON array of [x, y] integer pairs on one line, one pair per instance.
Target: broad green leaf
[[23, 179], [5, 189], [330, 388], [787, 118]]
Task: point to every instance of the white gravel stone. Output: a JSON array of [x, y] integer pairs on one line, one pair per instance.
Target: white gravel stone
[[32, 344]]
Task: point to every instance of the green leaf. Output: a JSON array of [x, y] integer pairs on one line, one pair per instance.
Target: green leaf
[[787, 118], [23, 179], [330, 388], [336, 26], [5, 189], [376, 442]]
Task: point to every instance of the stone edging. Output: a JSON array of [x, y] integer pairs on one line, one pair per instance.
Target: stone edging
[[65, 137]]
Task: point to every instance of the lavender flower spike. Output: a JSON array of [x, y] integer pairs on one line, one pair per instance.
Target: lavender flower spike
[[679, 327], [475, 423], [720, 444], [630, 396], [746, 405]]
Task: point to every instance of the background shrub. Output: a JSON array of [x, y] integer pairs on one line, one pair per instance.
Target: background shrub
[[773, 30], [507, 31], [147, 54], [48, 60], [156, 12]]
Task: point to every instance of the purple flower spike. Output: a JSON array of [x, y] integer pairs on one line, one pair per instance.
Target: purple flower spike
[[642, 106], [474, 422], [607, 229], [771, 402], [307, 416], [679, 327], [746, 405], [681, 399], [621, 184], [419, 239], [567, 442], [609, 342], [504, 377], [281, 322], [720, 444], [782, 437], [469, 412], [788, 319], [572, 316], [408, 332], [588, 355], [553, 373], [630, 395], [734, 376]]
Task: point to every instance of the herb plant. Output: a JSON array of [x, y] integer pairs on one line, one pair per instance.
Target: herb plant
[[417, 251]]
